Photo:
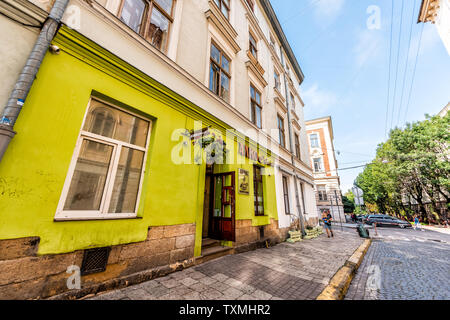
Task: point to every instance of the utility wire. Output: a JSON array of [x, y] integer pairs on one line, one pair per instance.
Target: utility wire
[[414, 73], [397, 62], [389, 77], [407, 60]]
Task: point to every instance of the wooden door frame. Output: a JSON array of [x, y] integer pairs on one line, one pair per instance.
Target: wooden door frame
[[233, 204]]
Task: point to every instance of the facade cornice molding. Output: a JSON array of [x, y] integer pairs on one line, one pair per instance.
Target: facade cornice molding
[[295, 115], [281, 106], [276, 60], [305, 176], [23, 11], [429, 11], [255, 69], [279, 97], [296, 125], [329, 122]]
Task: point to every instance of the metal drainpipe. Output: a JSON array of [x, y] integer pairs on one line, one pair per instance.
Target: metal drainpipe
[[28, 74], [288, 104]]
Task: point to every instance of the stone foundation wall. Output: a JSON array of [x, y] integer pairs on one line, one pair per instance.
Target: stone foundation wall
[[248, 237], [25, 275], [284, 233], [312, 222]]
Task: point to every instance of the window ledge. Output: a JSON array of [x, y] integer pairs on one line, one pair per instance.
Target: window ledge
[[72, 219], [253, 65], [279, 98]]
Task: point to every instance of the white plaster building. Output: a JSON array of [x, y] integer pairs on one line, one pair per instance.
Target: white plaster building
[[325, 167]]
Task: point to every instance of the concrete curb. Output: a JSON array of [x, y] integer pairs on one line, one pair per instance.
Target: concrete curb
[[338, 286]]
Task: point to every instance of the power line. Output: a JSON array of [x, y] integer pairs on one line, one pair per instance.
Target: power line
[[414, 73], [350, 168], [355, 162], [397, 62], [390, 63], [407, 60]]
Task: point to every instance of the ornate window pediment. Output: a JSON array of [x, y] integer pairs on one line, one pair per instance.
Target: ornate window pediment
[[218, 20]]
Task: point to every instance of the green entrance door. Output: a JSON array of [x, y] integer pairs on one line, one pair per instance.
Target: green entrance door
[[223, 215]]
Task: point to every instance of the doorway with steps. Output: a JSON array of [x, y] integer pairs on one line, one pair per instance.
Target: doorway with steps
[[219, 212]]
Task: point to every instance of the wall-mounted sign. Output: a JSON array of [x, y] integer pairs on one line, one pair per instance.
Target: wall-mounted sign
[[252, 154], [244, 182]]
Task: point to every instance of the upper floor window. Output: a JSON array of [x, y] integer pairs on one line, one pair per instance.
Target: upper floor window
[[292, 101], [287, 208], [256, 108], [317, 165], [252, 46], [297, 146], [314, 140], [224, 6], [282, 136], [322, 192], [105, 176], [276, 77], [219, 74], [150, 18]]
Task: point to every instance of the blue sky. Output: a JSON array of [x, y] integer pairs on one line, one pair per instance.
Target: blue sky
[[346, 67]]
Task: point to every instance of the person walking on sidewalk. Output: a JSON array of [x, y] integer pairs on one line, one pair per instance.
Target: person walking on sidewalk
[[417, 223], [326, 219]]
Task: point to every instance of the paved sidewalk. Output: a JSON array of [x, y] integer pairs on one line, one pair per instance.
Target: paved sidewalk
[[298, 271], [437, 229]]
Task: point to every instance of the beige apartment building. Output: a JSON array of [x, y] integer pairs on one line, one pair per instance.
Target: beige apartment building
[[325, 167], [98, 139]]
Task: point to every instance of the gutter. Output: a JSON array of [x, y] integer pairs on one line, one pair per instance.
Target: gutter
[[28, 74]]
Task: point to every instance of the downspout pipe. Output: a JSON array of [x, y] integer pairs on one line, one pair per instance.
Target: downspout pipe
[[28, 74], [291, 146]]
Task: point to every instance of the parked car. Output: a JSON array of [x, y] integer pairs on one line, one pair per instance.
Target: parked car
[[387, 221]]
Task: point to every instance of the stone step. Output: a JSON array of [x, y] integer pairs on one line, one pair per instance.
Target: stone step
[[210, 243], [213, 253]]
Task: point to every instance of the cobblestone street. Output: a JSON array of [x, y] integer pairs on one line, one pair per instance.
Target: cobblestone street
[[297, 271], [404, 265]]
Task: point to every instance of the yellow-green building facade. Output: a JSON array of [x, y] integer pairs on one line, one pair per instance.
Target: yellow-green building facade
[[37, 230]]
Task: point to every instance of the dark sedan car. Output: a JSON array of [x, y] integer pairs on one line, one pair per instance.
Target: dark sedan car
[[387, 221]]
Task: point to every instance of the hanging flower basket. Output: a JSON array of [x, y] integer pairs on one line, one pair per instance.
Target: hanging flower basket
[[209, 142]]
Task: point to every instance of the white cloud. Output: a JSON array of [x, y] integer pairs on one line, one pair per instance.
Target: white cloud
[[327, 9], [318, 99]]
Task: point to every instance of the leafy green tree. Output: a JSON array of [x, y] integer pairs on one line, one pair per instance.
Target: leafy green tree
[[413, 163], [349, 202]]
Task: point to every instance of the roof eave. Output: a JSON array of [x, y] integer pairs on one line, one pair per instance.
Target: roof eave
[[268, 9]]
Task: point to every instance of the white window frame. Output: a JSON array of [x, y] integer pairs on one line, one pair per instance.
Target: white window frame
[[318, 140], [102, 213], [320, 163]]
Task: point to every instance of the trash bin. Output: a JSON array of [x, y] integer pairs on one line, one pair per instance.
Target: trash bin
[[362, 231]]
